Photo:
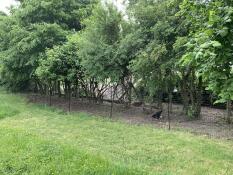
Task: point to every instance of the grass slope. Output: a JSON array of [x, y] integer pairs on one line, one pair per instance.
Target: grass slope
[[35, 139]]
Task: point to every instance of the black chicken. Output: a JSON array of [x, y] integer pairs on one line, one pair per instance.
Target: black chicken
[[157, 115]]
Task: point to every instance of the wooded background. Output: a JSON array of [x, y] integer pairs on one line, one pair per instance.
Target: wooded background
[[157, 51]]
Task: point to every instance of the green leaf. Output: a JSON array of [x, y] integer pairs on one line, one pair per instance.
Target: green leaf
[[216, 44]]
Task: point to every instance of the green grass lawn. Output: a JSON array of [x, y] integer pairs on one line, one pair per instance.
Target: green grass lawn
[[35, 139]]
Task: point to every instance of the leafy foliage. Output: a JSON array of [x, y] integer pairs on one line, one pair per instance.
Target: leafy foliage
[[98, 41], [209, 48], [61, 63], [154, 48], [30, 30]]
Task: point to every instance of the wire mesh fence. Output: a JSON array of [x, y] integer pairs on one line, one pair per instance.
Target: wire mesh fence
[[212, 122]]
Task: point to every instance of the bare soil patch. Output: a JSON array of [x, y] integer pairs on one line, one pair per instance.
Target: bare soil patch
[[212, 123]]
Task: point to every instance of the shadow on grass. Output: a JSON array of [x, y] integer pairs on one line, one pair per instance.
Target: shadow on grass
[[49, 108], [7, 111]]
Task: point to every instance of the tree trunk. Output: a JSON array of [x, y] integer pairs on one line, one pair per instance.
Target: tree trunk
[[160, 100], [191, 92], [185, 97], [59, 88], [229, 114], [50, 94], [197, 99], [66, 89], [169, 110], [47, 93], [112, 99], [35, 90], [76, 90], [69, 89], [130, 90], [184, 92]]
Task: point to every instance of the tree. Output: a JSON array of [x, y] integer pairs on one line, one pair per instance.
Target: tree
[[97, 47], [209, 48], [36, 26], [98, 41], [157, 24], [191, 83], [61, 64]]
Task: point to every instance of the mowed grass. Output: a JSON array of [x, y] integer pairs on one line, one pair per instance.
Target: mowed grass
[[36, 139]]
